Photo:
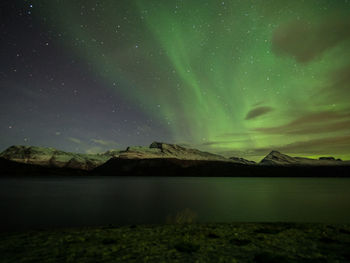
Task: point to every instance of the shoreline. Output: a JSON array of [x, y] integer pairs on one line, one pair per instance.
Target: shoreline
[[178, 168], [197, 242]]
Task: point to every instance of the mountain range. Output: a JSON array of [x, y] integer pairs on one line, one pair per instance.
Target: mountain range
[[157, 159]]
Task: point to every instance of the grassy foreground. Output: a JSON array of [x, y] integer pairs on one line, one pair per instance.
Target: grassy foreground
[[237, 242]]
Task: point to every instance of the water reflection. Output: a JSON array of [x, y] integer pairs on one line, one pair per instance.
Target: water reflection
[[186, 216], [76, 201]]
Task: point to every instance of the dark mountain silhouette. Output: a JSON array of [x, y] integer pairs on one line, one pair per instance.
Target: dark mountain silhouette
[[161, 159]]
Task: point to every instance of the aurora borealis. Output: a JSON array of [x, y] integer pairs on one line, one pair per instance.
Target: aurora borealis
[[233, 77]]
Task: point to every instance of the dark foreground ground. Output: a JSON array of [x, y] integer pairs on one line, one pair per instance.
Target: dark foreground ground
[[238, 242]]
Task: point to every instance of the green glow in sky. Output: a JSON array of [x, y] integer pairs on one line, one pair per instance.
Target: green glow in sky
[[240, 77]]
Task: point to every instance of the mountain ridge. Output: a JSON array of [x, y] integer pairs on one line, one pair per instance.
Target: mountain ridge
[[52, 157], [276, 158]]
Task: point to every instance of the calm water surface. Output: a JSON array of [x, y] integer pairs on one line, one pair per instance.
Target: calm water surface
[[77, 201]]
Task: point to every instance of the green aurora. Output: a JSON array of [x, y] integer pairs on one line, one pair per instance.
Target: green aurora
[[234, 77]]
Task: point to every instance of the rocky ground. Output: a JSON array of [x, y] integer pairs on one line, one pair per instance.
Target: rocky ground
[[238, 242]]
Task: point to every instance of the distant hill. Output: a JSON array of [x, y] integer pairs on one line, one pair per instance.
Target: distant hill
[[55, 158], [277, 158]]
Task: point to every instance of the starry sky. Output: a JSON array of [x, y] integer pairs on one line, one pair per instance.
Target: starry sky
[[238, 77]]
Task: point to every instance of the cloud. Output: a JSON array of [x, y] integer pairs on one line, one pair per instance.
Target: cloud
[[258, 111], [210, 143], [94, 150], [341, 77], [75, 140], [339, 84], [305, 41], [235, 134], [93, 146], [104, 142], [313, 123]]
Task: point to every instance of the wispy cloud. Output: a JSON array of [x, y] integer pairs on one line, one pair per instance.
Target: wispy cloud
[[338, 85], [328, 145], [75, 140], [236, 134], [313, 123], [93, 145], [305, 41], [258, 111], [104, 142], [227, 142], [94, 150]]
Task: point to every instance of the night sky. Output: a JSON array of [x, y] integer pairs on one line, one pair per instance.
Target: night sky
[[233, 77]]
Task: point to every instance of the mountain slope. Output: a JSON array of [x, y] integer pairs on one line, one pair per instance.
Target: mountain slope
[[12, 168], [51, 157], [165, 150], [55, 158], [276, 158]]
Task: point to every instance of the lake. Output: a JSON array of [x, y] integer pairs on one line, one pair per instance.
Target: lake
[[32, 202]]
